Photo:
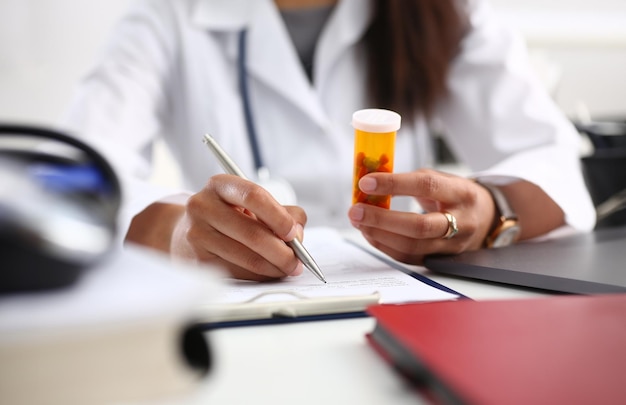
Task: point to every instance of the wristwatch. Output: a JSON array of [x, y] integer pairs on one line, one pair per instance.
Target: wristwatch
[[507, 228]]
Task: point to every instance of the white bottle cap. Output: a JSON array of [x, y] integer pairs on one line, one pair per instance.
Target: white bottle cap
[[376, 120]]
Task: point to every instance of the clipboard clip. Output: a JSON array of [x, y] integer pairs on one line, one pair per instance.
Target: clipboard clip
[[302, 305]]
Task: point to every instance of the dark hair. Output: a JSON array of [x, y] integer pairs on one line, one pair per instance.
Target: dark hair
[[409, 47]]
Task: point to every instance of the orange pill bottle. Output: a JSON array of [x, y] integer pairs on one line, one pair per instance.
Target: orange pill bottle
[[374, 147]]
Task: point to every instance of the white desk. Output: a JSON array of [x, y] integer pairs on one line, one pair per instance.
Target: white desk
[[321, 362]]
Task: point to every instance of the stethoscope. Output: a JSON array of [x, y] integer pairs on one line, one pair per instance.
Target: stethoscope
[[282, 191]]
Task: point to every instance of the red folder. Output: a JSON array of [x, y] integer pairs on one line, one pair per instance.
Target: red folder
[[556, 350]]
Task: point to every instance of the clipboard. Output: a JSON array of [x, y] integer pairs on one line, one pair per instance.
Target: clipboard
[[278, 303], [299, 309]]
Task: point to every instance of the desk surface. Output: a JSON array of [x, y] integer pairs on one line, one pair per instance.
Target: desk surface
[[321, 362]]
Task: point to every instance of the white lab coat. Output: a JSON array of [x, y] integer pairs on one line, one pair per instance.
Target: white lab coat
[[170, 71]]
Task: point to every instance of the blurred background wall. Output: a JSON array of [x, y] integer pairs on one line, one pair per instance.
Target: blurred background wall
[[45, 47], [578, 48]]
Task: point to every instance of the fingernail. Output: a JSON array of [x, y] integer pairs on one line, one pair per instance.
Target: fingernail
[[367, 184], [356, 213], [299, 232], [293, 232], [299, 269]]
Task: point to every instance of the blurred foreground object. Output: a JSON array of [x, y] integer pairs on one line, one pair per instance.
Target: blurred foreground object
[[83, 320], [124, 332], [59, 201]]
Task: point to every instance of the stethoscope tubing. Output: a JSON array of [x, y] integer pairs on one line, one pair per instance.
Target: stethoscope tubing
[[245, 98]]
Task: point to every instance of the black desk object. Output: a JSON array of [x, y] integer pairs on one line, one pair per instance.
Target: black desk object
[[589, 263]]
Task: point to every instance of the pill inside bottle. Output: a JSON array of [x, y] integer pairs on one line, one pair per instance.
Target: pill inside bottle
[[374, 147]]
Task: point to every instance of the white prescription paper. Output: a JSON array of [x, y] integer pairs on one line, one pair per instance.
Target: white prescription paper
[[349, 271]]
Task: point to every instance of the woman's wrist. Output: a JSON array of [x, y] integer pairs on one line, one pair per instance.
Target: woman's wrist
[[153, 227], [505, 228]]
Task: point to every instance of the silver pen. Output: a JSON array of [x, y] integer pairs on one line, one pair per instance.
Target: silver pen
[[231, 168]]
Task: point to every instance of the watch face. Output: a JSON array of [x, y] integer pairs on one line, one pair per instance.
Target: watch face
[[507, 236]]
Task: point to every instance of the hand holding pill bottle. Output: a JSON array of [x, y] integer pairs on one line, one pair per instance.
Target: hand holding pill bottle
[[374, 146]]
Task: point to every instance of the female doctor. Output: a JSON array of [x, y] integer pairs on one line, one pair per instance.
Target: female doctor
[[276, 83]]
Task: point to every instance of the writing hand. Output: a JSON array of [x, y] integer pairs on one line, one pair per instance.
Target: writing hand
[[239, 226]]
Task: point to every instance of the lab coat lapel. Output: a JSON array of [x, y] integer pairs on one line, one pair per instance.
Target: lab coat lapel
[[345, 28], [272, 59], [269, 42], [270, 55]]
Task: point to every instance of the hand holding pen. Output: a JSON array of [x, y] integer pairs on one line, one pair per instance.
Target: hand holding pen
[[231, 168], [230, 223]]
